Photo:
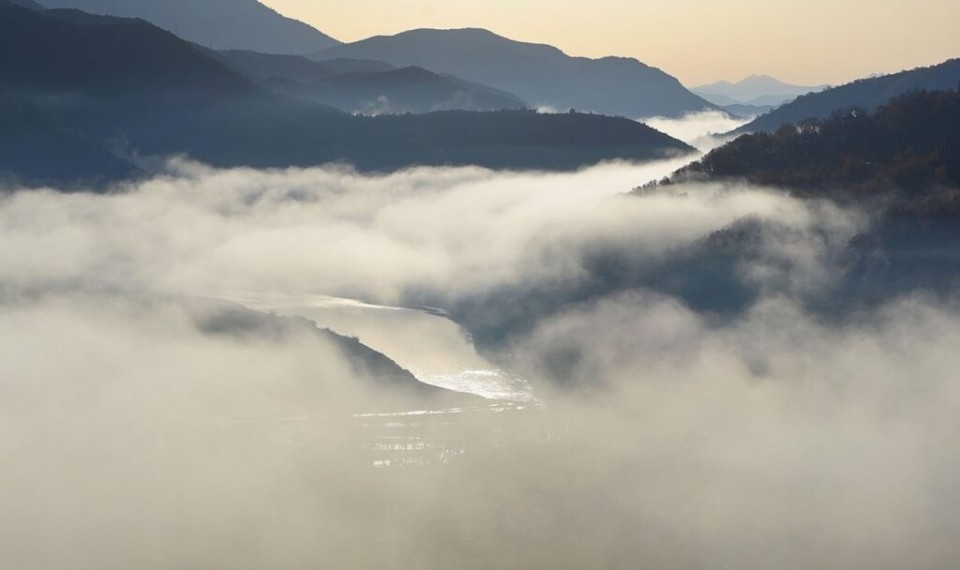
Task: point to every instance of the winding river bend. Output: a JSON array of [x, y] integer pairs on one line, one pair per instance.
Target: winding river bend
[[437, 351], [434, 348]]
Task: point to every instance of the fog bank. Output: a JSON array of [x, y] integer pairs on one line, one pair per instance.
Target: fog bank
[[139, 435], [702, 130]]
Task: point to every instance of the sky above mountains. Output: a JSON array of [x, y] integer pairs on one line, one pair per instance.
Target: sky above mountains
[[699, 41]]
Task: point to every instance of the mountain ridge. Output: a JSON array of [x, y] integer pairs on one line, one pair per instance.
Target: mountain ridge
[[29, 4], [868, 93], [907, 151], [358, 86], [126, 88], [540, 74], [218, 24]]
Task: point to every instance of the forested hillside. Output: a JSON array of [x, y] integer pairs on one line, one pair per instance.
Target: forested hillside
[[909, 148]]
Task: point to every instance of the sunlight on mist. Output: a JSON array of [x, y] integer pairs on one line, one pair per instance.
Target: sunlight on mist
[[701, 130], [669, 437]]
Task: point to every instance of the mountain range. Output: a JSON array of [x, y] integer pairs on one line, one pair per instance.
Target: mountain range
[[128, 93], [368, 87], [755, 90], [539, 74], [218, 24]]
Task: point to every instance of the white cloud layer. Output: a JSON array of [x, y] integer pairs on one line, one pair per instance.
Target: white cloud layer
[[202, 231], [135, 438], [701, 130]]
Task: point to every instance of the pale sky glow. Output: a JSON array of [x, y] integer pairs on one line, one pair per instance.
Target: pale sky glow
[[698, 41]]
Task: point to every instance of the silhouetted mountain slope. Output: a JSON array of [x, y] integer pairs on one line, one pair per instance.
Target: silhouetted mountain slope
[[34, 151], [539, 74], [408, 90], [345, 65], [262, 66], [746, 111], [772, 100], [484, 89], [141, 92], [128, 86], [865, 93], [82, 67], [505, 139], [219, 24], [753, 90], [23, 4], [71, 51], [907, 151], [346, 85]]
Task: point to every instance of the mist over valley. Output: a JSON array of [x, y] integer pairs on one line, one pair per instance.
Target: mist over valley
[[443, 299]]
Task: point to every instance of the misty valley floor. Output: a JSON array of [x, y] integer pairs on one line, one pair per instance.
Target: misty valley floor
[[448, 300], [670, 386]]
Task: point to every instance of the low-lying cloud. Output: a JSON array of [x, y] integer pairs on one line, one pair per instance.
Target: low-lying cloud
[[703, 130], [202, 231], [777, 440], [671, 438]]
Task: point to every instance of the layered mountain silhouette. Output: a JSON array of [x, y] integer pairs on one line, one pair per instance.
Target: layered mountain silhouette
[[539, 74], [130, 90], [219, 24], [747, 111], [867, 94], [261, 67], [756, 90], [360, 86], [33, 148], [909, 147]]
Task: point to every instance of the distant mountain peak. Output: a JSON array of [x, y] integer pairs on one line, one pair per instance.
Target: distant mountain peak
[[466, 37], [754, 80], [760, 81], [468, 30], [756, 89], [474, 32]]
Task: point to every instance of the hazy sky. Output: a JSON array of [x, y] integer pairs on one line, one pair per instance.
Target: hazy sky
[[699, 41]]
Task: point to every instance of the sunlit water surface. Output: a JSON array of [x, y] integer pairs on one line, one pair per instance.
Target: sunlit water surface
[[437, 351], [431, 346]]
